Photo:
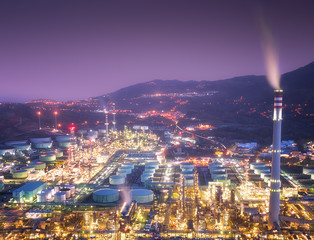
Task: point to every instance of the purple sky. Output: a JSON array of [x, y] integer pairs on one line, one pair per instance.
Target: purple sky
[[77, 49]]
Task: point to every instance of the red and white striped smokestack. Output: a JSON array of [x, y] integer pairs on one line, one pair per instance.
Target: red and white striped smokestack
[[274, 201]]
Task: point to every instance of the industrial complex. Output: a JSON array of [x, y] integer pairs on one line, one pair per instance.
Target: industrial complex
[[119, 183]]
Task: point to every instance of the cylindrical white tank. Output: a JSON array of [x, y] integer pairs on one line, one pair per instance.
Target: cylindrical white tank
[[23, 147], [256, 164], [259, 170], [40, 139], [52, 190], [60, 197], [64, 138], [116, 180], [142, 195], [129, 164], [106, 195], [187, 173], [72, 189], [128, 169], [48, 193], [57, 152], [20, 174], [64, 144], [14, 143], [152, 164], [41, 197], [47, 157], [7, 151], [216, 168], [214, 164], [67, 191], [189, 181], [145, 177], [187, 166], [147, 171], [122, 173], [38, 165]]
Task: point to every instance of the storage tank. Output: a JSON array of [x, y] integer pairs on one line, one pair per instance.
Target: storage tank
[[38, 165], [72, 189], [43, 145], [64, 138], [216, 169], [152, 164], [258, 169], [7, 151], [22, 147], [40, 139], [145, 177], [216, 172], [58, 153], [41, 197], [67, 191], [255, 164], [20, 174], [146, 171], [129, 164], [189, 181], [142, 195], [116, 180], [151, 168], [47, 157], [64, 144], [187, 166], [214, 164], [106, 195], [48, 193], [52, 190], [60, 197], [128, 169], [262, 169], [13, 143], [187, 173], [122, 173], [28, 168]]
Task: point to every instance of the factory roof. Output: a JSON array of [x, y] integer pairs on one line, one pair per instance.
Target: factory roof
[[30, 186]]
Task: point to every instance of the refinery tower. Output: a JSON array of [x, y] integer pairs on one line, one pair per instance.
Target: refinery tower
[[274, 201]]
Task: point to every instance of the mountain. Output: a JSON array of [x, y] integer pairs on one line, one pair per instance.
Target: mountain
[[237, 106], [297, 85]]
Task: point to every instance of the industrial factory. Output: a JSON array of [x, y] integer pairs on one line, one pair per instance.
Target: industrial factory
[[109, 183]]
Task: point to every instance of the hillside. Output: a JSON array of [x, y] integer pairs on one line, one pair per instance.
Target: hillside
[[237, 106]]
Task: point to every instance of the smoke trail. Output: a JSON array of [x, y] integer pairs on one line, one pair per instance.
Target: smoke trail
[[125, 196], [270, 55]]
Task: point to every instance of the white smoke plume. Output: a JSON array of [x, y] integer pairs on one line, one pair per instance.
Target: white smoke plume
[[270, 55]]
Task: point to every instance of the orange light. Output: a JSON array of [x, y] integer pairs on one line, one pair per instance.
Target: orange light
[[38, 113], [55, 113], [59, 125]]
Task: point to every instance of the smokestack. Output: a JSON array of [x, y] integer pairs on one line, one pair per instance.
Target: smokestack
[[107, 125], [274, 201], [114, 117]]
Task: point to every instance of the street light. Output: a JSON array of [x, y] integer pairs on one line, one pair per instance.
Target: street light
[[39, 125], [56, 123]]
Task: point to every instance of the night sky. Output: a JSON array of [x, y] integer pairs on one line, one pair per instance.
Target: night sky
[[77, 49]]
